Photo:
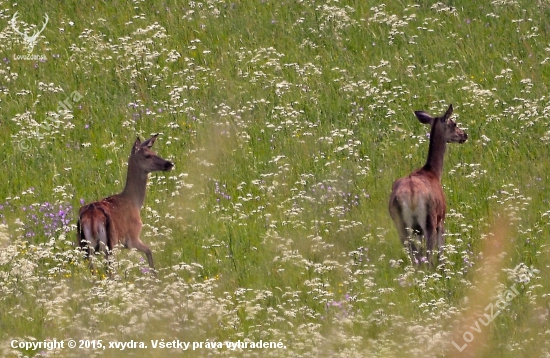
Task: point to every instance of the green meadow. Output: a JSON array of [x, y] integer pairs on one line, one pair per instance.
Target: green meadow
[[287, 122]]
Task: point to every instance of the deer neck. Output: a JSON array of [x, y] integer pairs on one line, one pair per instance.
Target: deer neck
[[436, 151], [136, 183]]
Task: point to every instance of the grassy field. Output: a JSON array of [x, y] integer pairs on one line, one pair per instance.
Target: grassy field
[[288, 122]]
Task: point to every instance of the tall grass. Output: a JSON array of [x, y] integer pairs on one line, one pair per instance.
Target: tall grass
[[288, 123]]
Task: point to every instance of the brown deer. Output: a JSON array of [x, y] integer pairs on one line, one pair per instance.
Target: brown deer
[[104, 224], [417, 203]]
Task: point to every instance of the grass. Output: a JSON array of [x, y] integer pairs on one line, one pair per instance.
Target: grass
[[288, 123]]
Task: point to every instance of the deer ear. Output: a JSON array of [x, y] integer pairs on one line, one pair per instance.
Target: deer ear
[[423, 117], [137, 143], [149, 142], [449, 112]]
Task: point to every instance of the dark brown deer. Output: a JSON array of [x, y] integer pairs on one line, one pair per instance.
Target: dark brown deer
[[417, 203], [104, 224]]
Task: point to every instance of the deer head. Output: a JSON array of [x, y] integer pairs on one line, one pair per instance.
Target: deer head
[[451, 132], [146, 159]]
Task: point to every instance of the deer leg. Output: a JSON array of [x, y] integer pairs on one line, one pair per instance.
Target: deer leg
[[90, 256], [416, 245], [406, 239], [84, 244], [431, 236], [109, 262], [103, 246], [413, 249], [90, 252], [140, 246], [410, 242], [440, 240], [430, 247]]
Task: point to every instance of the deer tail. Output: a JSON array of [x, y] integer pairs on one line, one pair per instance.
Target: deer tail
[[104, 227], [93, 229]]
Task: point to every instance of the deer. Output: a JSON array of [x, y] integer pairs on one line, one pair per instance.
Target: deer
[[29, 40], [104, 224], [417, 203]]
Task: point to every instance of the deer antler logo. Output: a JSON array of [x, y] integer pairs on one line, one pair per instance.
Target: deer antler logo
[[30, 41]]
